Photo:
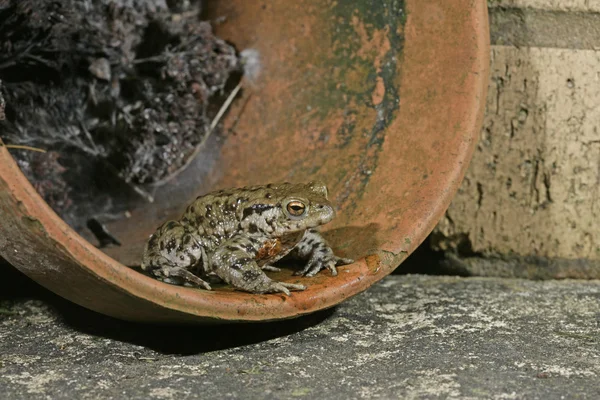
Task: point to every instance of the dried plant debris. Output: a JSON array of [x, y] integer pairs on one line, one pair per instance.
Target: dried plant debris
[[119, 92], [2, 104]]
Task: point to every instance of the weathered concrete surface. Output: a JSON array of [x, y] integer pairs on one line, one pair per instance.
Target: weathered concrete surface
[[407, 337], [532, 189]]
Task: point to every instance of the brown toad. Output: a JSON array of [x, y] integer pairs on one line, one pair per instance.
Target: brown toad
[[236, 234]]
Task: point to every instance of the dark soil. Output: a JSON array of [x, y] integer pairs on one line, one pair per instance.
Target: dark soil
[[119, 93]]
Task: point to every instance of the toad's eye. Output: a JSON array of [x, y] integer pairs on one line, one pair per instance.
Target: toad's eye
[[296, 208]]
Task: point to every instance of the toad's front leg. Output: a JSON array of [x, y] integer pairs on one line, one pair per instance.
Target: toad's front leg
[[315, 249], [233, 263]]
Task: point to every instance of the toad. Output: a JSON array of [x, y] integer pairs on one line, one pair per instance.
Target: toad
[[237, 234]]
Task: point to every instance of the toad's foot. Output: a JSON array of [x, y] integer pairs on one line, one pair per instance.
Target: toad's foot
[[329, 261], [180, 276], [283, 287]]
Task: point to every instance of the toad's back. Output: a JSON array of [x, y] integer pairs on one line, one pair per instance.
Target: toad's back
[[216, 216]]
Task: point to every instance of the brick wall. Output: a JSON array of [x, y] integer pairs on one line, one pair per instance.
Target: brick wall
[[530, 203]]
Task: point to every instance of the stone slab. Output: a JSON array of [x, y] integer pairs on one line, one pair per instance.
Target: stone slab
[[408, 337]]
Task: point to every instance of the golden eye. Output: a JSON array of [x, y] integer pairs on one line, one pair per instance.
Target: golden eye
[[296, 208]]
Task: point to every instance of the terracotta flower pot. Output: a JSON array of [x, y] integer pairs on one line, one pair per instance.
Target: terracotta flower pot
[[382, 104]]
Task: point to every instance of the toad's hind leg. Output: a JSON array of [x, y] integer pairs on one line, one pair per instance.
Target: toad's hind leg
[[232, 263], [172, 254]]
